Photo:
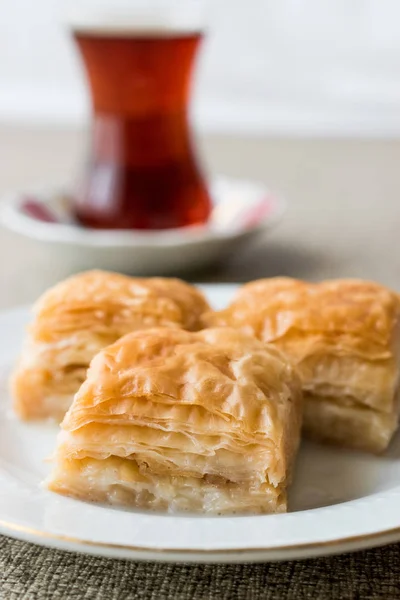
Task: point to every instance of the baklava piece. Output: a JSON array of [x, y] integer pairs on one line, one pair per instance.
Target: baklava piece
[[177, 421], [79, 317], [343, 336]]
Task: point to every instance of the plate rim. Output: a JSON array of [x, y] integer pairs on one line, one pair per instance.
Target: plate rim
[[205, 555]]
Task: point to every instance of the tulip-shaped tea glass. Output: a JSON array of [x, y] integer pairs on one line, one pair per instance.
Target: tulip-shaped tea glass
[[142, 171]]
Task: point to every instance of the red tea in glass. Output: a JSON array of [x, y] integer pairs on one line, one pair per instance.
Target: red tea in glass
[[142, 171]]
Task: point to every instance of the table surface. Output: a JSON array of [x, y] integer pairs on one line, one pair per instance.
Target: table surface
[[343, 221], [343, 206]]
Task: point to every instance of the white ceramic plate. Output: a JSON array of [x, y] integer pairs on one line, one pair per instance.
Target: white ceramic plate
[[339, 501], [241, 210]]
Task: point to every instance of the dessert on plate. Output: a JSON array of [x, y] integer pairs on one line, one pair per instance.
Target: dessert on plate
[[80, 316], [344, 338], [182, 421]]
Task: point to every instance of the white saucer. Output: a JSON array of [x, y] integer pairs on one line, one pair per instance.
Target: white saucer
[[241, 210], [339, 501]]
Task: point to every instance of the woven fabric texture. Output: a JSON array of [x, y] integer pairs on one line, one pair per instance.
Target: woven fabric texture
[[29, 572]]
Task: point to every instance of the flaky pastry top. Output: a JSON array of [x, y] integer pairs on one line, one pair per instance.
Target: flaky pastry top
[[340, 315], [110, 305], [213, 382]]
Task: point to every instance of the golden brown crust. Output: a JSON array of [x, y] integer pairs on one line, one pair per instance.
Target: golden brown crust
[[216, 403], [80, 316], [342, 335], [111, 304], [361, 313]]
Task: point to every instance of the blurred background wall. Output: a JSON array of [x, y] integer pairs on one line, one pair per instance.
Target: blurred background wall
[[268, 66]]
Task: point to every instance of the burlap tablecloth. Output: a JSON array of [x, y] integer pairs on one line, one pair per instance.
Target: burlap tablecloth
[[28, 572], [343, 221]]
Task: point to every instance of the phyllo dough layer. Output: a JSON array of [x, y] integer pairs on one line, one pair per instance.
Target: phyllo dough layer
[[82, 315], [343, 336], [173, 420]]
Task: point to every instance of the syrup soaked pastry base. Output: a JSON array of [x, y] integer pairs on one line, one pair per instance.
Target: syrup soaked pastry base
[[78, 318], [345, 422], [344, 338], [179, 421]]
